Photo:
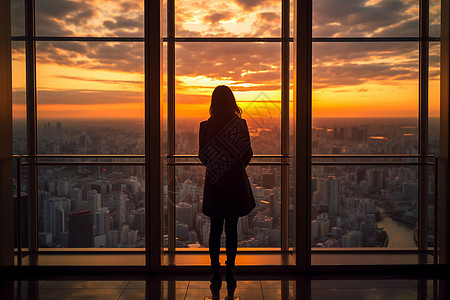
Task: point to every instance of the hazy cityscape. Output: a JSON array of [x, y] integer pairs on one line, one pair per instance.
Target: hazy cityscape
[[82, 206]]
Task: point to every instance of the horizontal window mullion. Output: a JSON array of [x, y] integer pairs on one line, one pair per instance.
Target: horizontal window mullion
[[366, 39], [225, 39], [250, 164], [79, 39]]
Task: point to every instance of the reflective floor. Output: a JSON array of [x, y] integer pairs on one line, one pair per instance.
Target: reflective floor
[[247, 288]]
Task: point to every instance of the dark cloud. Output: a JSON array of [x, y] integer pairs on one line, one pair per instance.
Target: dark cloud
[[109, 81], [356, 18], [81, 17], [267, 24], [56, 18], [56, 9], [18, 50], [435, 18], [51, 16], [269, 17], [131, 6], [354, 74], [51, 27], [17, 18], [435, 61], [86, 97], [215, 18], [335, 51], [123, 23], [125, 57], [334, 64], [407, 28], [250, 4], [343, 64], [234, 61], [254, 18]]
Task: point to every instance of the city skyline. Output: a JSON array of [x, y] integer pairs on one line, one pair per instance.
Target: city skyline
[[365, 205]]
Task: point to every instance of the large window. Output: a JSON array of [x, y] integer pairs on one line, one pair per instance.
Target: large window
[[371, 71], [89, 104], [80, 92], [239, 45]]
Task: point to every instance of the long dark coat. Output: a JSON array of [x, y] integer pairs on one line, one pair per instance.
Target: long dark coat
[[225, 150]]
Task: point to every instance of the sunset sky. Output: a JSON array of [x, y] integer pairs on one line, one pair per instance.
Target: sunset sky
[[105, 80]]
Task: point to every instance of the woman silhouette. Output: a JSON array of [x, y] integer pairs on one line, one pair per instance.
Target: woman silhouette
[[225, 150]]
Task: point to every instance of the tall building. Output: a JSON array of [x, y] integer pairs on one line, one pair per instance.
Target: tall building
[[102, 221], [62, 187], [352, 239], [330, 194], [139, 221], [96, 144], [375, 179], [80, 229], [54, 216], [369, 232], [94, 202], [184, 213]]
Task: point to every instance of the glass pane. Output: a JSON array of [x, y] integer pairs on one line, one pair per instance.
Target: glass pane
[[165, 167], [24, 206], [291, 18], [335, 18], [365, 98], [364, 206], [90, 98], [19, 97], [261, 228], [434, 89], [19, 136], [251, 70], [90, 18], [17, 17], [433, 130], [91, 207], [435, 18], [292, 190], [228, 18], [432, 205]]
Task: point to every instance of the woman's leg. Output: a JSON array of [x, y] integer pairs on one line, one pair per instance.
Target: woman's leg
[[231, 238], [214, 239], [231, 244], [214, 252]]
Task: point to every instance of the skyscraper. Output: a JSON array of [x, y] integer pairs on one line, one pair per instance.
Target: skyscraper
[[330, 194], [80, 229], [184, 213], [94, 202]]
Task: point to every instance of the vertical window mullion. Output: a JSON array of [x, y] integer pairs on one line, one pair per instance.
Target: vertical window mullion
[[31, 107], [285, 29], [423, 122], [153, 133], [302, 112], [171, 123]]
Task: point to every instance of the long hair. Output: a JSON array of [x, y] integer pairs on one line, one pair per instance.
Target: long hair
[[223, 104]]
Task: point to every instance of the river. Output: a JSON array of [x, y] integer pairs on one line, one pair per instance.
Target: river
[[401, 235]]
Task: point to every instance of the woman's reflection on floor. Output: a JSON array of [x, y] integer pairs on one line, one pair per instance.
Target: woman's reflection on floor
[[215, 290]]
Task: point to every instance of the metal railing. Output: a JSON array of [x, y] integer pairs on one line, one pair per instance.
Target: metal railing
[[316, 160], [419, 161]]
